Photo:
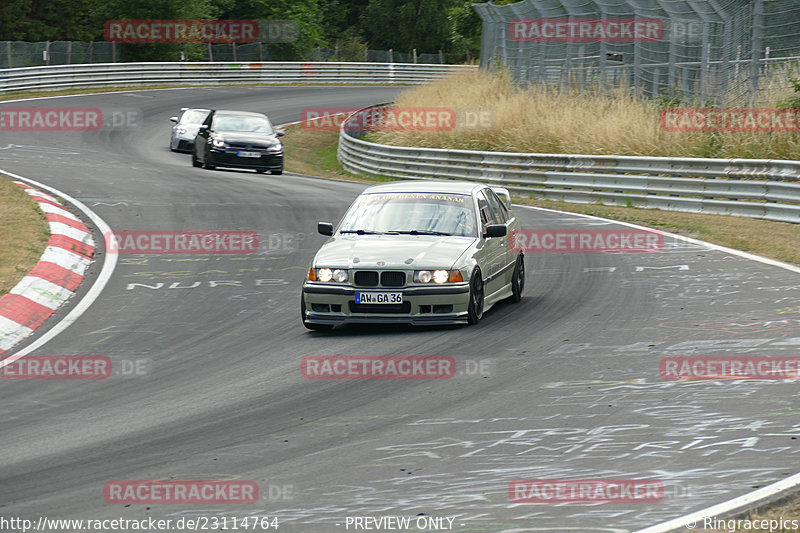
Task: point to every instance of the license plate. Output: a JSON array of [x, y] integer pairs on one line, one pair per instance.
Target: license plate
[[379, 297], [242, 153]]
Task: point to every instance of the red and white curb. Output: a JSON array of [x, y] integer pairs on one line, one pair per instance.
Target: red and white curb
[[55, 277]]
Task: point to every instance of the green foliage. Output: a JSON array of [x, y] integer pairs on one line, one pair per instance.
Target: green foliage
[[465, 29], [403, 25], [669, 97], [792, 102]]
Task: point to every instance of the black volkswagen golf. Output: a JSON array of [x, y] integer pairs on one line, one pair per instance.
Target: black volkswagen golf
[[238, 139]]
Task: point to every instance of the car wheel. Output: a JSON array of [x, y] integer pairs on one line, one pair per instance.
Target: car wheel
[[261, 170], [276, 172], [315, 327], [475, 308], [518, 279], [195, 162]]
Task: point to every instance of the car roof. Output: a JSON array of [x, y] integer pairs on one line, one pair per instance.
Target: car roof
[[442, 186], [238, 113]]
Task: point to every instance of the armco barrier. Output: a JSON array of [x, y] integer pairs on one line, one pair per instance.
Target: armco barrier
[[756, 188], [263, 73]]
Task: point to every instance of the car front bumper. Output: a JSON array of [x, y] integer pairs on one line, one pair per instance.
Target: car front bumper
[[422, 305], [228, 158]]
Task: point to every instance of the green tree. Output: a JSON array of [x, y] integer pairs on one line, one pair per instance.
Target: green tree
[[407, 24]]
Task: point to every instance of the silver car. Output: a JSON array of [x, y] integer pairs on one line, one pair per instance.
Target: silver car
[[418, 252], [185, 128]]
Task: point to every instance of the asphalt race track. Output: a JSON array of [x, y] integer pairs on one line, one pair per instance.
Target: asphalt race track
[[564, 385]]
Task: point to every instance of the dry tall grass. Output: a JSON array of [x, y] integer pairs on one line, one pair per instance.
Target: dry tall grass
[[539, 119]]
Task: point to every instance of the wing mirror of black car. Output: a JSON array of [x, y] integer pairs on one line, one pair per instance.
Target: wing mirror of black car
[[326, 228], [279, 133], [174, 119], [495, 230], [203, 127]]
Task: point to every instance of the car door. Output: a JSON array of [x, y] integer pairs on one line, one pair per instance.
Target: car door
[[506, 269], [201, 139], [494, 254]]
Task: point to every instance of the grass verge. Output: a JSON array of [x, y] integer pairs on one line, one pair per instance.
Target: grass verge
[[23, 234]]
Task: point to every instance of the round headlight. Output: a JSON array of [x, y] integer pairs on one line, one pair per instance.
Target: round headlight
[[425, 276], [324, 274], [340, 275], [440, 276]]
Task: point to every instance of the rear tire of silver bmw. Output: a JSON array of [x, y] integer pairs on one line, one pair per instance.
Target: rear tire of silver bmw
[[315, 327], [518, 279], [475, 307]]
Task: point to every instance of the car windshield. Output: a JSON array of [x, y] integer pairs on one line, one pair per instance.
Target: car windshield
[[194, 116], [243, 124], [411, 213]]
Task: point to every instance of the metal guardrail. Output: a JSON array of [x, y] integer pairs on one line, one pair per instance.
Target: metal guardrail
[[265, 73], [756, 188]]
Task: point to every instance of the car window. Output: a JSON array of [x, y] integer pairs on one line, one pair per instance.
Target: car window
[[488, 214], [497, 206], [451, 214], [193, 116], [246, 124]]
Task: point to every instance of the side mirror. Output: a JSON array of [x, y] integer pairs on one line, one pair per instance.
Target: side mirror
[[496, 230], [173, 119], [279, 133], [202, 128], [326, 228]]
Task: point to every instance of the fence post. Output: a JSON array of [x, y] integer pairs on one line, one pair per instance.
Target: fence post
[[758, 25], [233, 47], [69, 52], [414, 55], [210, 54], [91, 50], [391, 56], [8, 51], [47, 52], [113, 52], [441, 57]]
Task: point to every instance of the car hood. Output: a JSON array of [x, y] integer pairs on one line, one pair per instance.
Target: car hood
[[244, 137], [395, 251]]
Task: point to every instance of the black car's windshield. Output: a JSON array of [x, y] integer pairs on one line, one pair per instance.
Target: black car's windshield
[[243, 124], [412, 214]]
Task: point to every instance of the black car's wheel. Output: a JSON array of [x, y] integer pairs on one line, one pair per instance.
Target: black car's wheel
[[195, 162], [518, 279], [315, 327], [475, 308], [276, 172]]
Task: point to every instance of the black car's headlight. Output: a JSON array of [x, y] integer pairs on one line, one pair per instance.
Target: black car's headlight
[[438, 276], [219, 143], [337, 275]]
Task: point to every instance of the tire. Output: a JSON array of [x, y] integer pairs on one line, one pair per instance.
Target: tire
[[476, 296], [315, 327], [518, 279], [276, 172], [195, 162]]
